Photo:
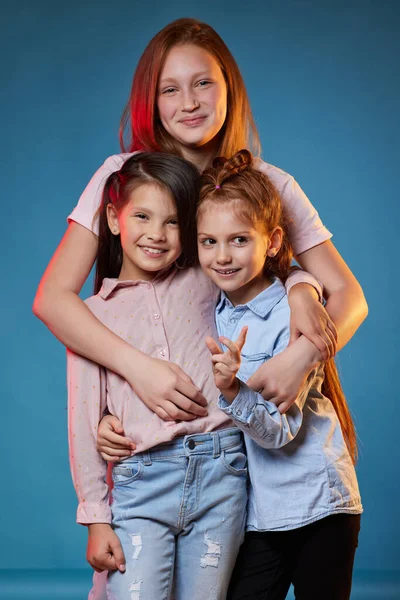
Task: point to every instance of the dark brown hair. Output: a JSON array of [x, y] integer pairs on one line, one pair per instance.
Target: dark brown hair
[[140, 124], [257, 200], [177, 177]]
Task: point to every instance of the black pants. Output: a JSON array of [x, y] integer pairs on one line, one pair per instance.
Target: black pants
[[318, 559]]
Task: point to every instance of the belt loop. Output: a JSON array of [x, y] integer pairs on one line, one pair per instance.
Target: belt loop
[[216, 445], [146, 458]]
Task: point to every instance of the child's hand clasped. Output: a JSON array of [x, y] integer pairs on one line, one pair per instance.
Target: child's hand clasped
[[104, 550], [226, 365]]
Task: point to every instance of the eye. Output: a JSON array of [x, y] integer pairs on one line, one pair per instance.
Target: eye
[[173, 222], [169, 90], [141, 216], [204, 83], [240, 240], [207, 242]]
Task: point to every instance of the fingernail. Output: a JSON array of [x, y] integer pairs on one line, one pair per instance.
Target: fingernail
[[122, 567]]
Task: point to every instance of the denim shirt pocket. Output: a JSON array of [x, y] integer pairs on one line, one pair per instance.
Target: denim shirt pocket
[[250, 364]]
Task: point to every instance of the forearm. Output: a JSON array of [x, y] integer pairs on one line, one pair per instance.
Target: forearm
[[86, 402], [347, 308], [346, 304], [261, 419]]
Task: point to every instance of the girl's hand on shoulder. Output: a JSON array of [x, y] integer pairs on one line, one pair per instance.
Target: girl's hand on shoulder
[[227, 364], [309, 318], [111, 443], [166, 389], [104, 550], [282, 378]]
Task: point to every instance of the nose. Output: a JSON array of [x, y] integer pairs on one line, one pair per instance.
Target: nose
[[189, 101], [157, 234], [223, 255]]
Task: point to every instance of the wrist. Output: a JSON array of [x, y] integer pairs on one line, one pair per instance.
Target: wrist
[[306, 353], [232, 391], [131, 360], [98, 527], [300, 289]]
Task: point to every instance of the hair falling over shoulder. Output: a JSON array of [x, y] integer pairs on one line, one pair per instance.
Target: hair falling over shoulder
[[256, 199]]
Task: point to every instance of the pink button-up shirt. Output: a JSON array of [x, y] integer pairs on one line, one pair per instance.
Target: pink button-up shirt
[[168, 320]]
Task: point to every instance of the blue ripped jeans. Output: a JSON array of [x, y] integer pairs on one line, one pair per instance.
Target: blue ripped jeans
[[179, 511]]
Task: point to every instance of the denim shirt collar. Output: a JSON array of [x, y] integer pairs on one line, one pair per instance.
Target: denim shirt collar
[[261, 305]]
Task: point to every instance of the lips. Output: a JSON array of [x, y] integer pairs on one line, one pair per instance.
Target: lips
[[226, 272], [152, 252], [193, 121]]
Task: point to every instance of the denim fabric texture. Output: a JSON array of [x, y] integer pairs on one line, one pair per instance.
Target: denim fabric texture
[[179, 510], [300, 468]]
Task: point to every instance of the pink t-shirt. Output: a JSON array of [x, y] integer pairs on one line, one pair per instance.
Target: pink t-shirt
[[168, 320], [305, 228]]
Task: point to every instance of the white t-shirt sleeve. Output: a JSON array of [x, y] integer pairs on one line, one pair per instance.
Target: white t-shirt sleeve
[[85, 212], [306, 229]]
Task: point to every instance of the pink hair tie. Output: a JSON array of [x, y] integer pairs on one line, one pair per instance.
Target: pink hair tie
[[217, 187]]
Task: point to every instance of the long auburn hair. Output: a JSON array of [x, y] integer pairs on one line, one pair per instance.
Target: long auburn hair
[[140, 127], [177, 177], [257, 201]]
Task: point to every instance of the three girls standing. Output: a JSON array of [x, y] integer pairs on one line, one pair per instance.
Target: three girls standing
[[188, 98]]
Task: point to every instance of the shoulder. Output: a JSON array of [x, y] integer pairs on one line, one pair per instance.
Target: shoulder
[[281, 180], [95, 304], [279, 325], [115, 161], [195, 277]]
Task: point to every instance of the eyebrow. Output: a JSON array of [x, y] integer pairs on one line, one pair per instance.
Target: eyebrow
[[234, 234], [152, 212], [194, 76]]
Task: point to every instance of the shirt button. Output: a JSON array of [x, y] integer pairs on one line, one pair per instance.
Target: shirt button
[[191, 444], [156, 316], [163, 352], [239, 412]]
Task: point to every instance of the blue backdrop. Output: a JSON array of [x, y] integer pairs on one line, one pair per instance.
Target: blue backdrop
[[323, 79]]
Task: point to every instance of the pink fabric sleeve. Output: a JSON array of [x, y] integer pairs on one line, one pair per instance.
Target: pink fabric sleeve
[[85, 211], [86, 404], [300, 276], [306, 229]]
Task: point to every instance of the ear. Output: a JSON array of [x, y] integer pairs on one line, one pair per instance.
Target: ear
[[275, 241], [112, 219]]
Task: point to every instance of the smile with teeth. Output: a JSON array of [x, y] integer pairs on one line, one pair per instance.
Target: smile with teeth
[[226, 271], [152, 251]]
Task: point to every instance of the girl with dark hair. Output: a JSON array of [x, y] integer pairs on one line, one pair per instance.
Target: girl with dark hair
[[304, 504], [179, 502], [188, 98]]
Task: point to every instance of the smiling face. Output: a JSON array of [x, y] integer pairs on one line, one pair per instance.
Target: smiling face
[[232, 251], [192, 96], [148, 226]]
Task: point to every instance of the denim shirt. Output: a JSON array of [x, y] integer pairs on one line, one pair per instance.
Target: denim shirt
[[300, 468]]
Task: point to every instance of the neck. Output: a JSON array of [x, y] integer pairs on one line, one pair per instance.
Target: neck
[[132, 273], [201, 157], [247, 292]]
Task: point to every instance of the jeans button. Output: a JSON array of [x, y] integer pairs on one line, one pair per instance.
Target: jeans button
[[191, 444]]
